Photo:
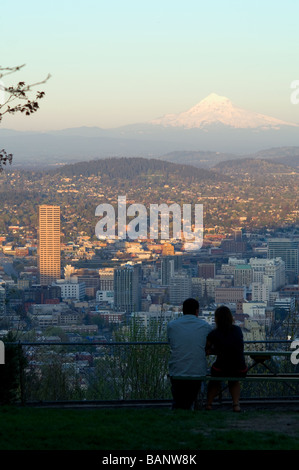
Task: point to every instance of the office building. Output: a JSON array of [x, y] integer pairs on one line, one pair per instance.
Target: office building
[[205, 288], [242, 275], [72, 289], [106, 279], [260, 292], [206, 270], [127, 291], [106, 296], [287, 303], [288, 251], [255, 309], [224, 295], [167, 270], [180, 288], [268, 271], [49, 244]]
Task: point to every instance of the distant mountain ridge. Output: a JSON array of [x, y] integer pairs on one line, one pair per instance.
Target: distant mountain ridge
[[214, 125], [200, 159], [287, 156]]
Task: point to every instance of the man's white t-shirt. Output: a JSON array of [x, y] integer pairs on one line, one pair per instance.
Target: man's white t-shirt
[[187, 338]]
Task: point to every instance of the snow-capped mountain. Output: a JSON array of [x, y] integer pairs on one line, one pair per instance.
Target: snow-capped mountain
[[215, 124], [215, 109]]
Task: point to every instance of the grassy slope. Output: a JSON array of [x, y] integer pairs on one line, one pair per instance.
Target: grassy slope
[[58, 429]]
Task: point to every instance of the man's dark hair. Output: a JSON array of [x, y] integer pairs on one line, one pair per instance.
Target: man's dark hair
[[190, 306]]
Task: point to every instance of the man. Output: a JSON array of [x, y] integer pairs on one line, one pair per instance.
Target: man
[[187, 338]]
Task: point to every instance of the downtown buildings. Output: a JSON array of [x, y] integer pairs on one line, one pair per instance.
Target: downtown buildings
[[123, 278]]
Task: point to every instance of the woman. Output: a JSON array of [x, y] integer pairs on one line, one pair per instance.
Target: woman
[[226, 342]]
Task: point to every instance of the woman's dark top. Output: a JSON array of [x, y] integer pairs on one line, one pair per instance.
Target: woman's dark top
[[229, 349]]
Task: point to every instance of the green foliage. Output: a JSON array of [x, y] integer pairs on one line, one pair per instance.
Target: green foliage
[[51, 378], [141, 369], [132, 371], [11, 371]]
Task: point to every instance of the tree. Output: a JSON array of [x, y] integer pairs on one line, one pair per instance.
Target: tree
[[17, 99], [11, 373]]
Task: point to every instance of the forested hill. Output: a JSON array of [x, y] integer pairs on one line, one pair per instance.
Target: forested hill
[[290, 160], [253, 166], [132, 168]]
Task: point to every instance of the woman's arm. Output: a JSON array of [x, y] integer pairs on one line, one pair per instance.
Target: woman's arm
[[209, 348]]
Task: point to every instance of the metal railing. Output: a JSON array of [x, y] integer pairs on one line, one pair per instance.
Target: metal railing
[[123, 371]]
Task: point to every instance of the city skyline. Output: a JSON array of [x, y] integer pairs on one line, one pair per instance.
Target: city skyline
[[118, 64]]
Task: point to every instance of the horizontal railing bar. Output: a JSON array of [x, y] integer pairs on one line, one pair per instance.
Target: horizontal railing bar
[[115, 343], [265, 353], [122, 343]]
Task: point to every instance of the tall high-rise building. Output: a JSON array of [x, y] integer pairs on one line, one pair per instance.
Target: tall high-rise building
[[49, 244], [288, 251], [127, 292], [167, 269]]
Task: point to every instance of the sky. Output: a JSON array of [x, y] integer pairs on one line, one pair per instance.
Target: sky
[[117, 62]]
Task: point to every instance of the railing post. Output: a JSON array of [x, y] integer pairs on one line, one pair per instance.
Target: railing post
[[21, 372]]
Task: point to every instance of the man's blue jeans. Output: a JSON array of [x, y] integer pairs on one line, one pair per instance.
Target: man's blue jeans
[[184, 393]]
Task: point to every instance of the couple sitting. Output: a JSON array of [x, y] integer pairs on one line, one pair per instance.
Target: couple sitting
[[191, 340]]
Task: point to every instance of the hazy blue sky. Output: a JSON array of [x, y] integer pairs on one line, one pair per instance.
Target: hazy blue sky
[[117, 62]]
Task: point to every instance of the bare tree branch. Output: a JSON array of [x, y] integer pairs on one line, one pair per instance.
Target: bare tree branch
[[19, 93], [8, 70]]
